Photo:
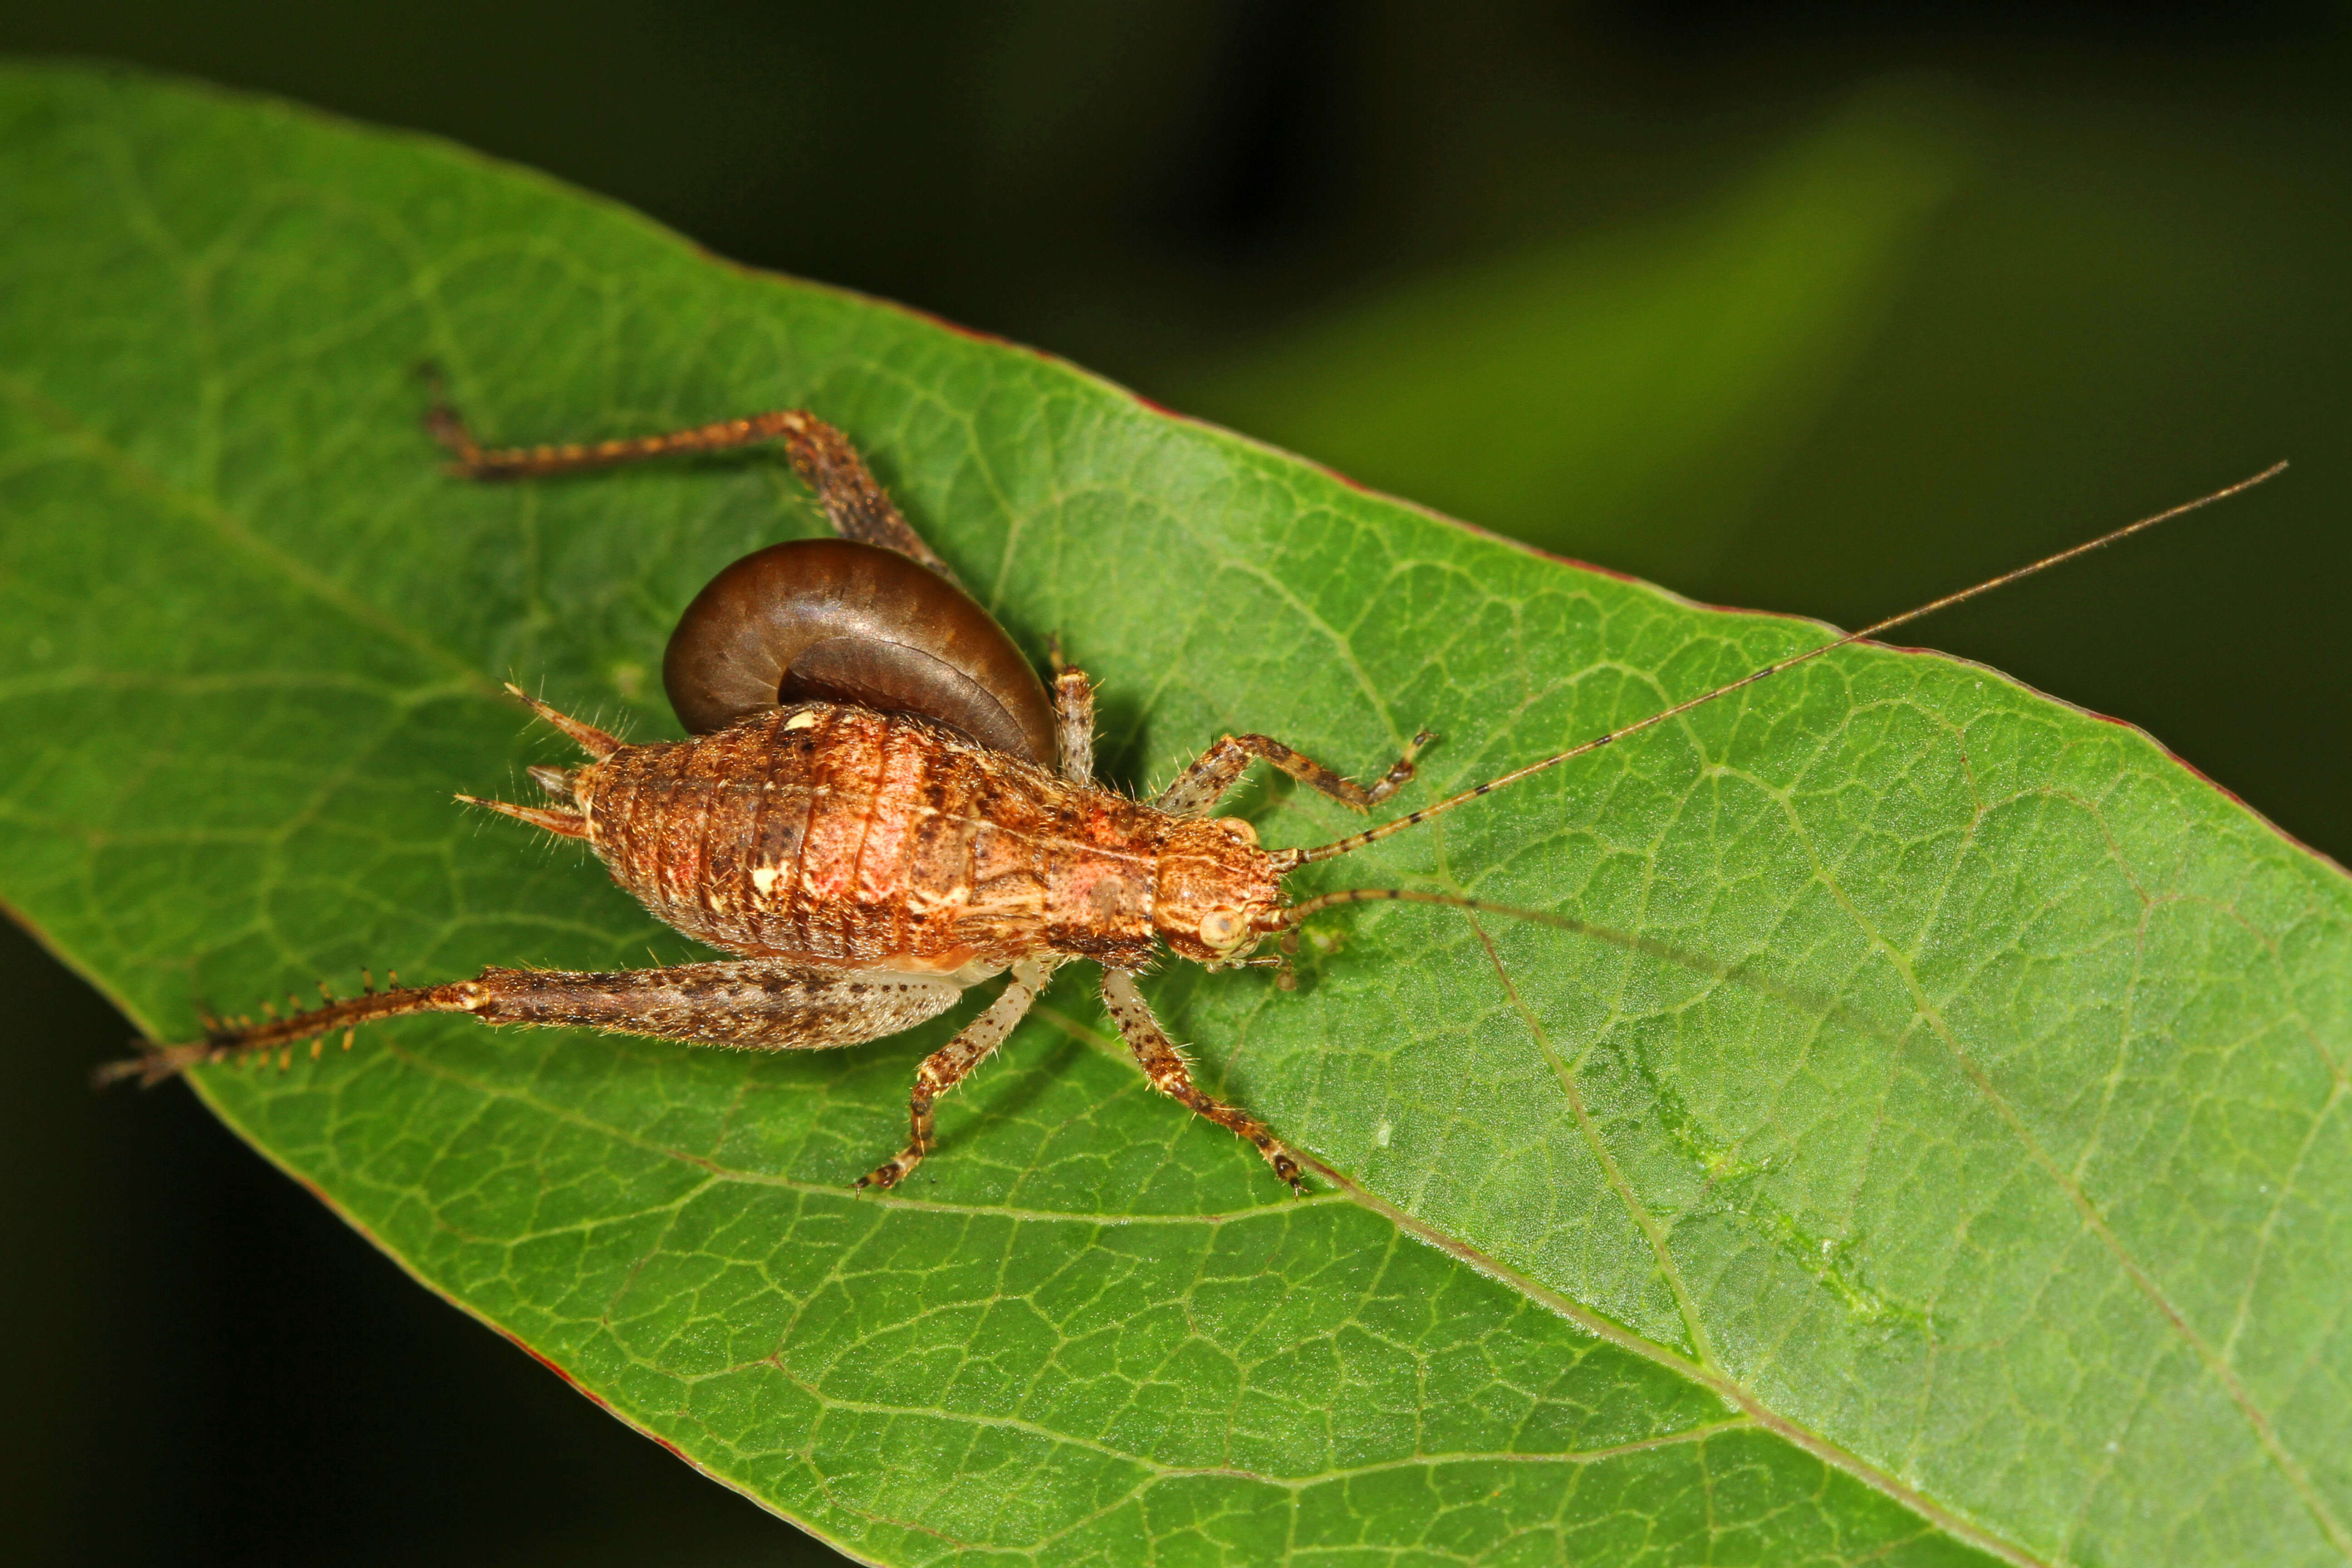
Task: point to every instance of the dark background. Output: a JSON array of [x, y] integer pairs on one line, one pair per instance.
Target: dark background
[[1790, 306]]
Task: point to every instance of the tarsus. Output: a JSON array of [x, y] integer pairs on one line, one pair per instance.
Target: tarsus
[[155, 1063]]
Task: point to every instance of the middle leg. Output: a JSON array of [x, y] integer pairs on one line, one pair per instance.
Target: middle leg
[[948, 1067]]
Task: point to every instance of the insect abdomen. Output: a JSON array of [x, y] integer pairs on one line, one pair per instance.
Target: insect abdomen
[[849, 837]]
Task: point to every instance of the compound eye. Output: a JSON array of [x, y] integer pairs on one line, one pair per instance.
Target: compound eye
[[1221, 930], [1237, 830]]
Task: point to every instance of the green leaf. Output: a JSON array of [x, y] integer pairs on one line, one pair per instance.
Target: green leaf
[[1935, 1151]]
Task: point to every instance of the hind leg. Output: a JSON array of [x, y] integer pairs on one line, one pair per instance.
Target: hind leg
[[765, 1004]]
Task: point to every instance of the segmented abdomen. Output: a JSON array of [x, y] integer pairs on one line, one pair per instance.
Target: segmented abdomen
[[850, 836]]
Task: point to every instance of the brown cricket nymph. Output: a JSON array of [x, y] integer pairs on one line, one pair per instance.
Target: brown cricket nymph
[[881, 806]]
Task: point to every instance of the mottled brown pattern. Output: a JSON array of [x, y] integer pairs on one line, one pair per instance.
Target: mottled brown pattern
[[758, 1004], [838, 836], [747, 1004]]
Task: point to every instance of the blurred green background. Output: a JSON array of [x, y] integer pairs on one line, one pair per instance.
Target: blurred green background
[[1814, 308]]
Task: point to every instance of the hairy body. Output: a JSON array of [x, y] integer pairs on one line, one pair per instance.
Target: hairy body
[[838, 836], [867, 867]]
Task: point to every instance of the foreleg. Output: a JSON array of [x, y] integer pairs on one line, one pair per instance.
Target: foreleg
[[1214, 771], [752, 1004], [1165, 1065], [854, 503], [947, 1067]]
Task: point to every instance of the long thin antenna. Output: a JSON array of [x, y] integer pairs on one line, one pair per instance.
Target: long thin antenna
[[1291, 860]]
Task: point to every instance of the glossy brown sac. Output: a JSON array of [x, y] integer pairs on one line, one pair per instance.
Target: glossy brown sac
[[844, 621]]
